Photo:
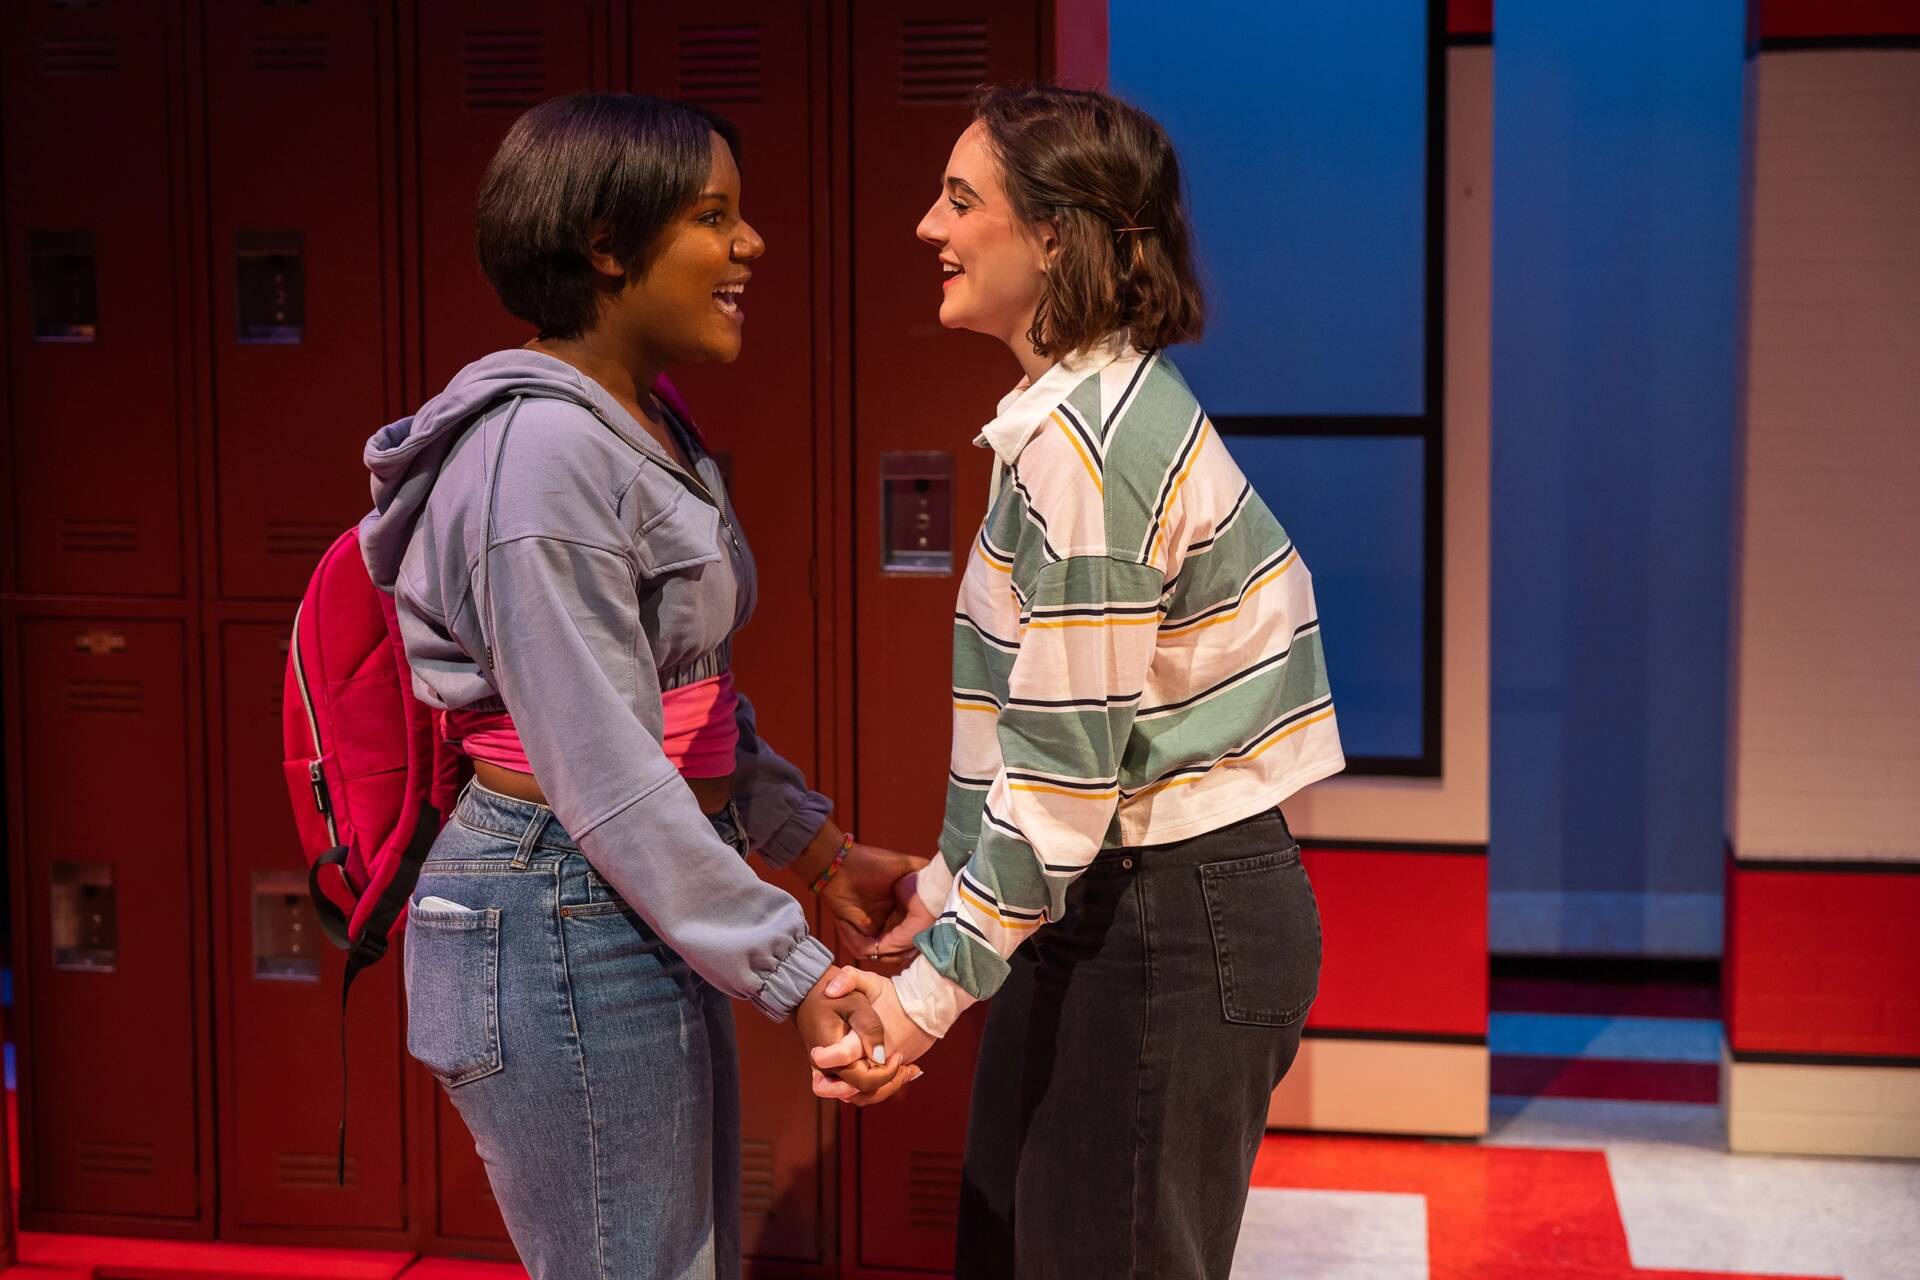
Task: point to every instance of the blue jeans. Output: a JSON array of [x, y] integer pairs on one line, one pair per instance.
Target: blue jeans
[[595, 1070]]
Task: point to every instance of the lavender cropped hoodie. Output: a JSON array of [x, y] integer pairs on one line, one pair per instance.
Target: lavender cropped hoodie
[[554, 560]]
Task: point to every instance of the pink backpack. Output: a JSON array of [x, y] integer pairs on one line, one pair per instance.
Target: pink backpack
[[369, 774]]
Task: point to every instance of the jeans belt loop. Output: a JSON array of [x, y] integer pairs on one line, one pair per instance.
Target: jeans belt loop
[[524, 854]]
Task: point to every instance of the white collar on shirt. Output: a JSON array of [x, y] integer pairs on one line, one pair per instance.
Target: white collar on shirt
[[1024, 410]]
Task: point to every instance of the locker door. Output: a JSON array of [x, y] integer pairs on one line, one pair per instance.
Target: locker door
[[108, 1017], [482, 63], [301, 277], [757, 63], [280, 1068], [917, 389], [92, 237], [467, 1210]]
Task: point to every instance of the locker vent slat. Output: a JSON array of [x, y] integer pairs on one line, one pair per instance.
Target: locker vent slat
[[303, 538], [289, 51], [719, 66], [101, 697], [933, 1189], [941, 62], [88, 535], [90, 57], [300, 1172], [503, 68], [757, 1190], [125, 1159]]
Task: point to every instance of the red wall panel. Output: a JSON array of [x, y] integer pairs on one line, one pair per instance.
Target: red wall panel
[[90, 100], [109, 1018], [1824, 962], [299, 149], [280, 986], [1404, 938], [916, 387], [1788, 19], [483, 63]]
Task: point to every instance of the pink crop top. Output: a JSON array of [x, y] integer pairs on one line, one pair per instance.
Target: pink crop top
[[699, 733]]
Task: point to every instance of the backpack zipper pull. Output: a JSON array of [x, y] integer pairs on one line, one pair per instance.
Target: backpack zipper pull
[[318, 780]]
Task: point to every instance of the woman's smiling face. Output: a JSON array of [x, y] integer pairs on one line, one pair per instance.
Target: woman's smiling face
[[995, 264], [687, 307]]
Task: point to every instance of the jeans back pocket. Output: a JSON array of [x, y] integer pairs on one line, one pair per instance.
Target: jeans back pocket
[[453, 992], [1266, 936]]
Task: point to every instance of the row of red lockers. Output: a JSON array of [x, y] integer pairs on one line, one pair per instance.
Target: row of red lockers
[[238, 237]]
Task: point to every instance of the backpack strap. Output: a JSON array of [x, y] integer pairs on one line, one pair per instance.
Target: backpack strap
[[373, 940], [333, 920]]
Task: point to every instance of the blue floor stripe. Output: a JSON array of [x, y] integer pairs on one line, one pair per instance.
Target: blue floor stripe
[[1554, 1035]]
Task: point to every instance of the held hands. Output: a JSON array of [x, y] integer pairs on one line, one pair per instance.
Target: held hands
[[864, 896], [839, 1015], [838, 1071]]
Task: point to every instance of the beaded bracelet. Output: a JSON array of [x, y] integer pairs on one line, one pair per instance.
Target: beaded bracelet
[[833, 868]]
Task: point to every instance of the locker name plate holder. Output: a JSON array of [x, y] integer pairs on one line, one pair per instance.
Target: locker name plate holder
[[916, 513], [270, 277], [66, 302], [286, 931], [86, 925]]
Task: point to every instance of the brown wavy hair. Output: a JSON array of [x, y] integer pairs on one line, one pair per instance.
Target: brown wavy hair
[[1104, 173]]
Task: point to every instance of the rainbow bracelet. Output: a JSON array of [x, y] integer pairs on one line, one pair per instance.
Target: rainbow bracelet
[[833, 868]]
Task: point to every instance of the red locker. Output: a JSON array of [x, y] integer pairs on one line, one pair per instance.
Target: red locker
[[917, 390], [482, 63], [299, 157], [111, 1019], [466, 1217], [279, 999], [759, 64], [90, 97]]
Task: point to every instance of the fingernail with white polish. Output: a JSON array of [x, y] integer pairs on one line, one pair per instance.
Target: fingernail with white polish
[[879, 1055]]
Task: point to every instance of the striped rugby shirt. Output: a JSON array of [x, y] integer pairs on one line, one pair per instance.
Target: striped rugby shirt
[[1136, 660]]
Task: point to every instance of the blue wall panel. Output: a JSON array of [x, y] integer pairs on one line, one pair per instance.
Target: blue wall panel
[[1355, 507], [1617, 294], [1303, 131]]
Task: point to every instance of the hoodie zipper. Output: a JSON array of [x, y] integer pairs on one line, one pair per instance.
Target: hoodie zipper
[[675, 468], [322, 800]]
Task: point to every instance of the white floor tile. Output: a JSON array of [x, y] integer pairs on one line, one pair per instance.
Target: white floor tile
[[1332, 1235]]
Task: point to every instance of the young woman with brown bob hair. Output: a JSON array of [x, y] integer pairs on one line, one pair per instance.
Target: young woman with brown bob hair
[[1137, 685]]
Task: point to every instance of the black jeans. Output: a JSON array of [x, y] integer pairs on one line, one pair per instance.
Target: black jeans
[[1127, 1063]]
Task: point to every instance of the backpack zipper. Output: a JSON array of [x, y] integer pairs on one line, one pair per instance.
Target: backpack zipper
[[322, 801]]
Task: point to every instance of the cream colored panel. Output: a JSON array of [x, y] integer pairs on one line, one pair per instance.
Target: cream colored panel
[[1384, 1086]]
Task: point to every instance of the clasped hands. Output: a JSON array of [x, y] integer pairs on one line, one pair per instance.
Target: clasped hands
[[861, 1043]]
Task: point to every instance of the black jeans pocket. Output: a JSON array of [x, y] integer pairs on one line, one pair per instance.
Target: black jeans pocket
[[1266, 936], [453, 992]]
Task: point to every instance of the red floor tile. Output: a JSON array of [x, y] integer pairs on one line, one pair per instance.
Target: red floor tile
[[1493, 1213]]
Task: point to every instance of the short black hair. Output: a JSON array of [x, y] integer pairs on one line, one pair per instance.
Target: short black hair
[[628, 161]]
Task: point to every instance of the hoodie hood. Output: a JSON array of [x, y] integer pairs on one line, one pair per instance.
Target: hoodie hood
[[405, 457]]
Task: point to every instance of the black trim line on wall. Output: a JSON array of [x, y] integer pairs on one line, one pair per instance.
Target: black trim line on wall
[[1426, 426], [1824, 1060], [1394, 1037], [1823, 44], [1394, 846], [1849, 867]]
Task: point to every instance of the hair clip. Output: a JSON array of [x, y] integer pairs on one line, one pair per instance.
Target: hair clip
[[1147, 228]]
